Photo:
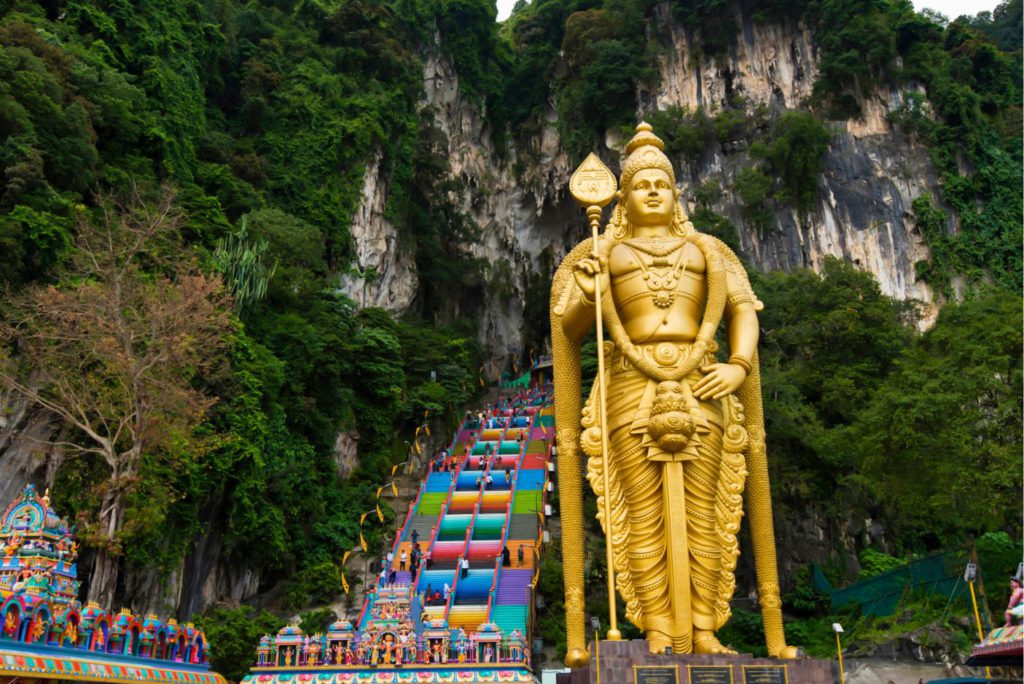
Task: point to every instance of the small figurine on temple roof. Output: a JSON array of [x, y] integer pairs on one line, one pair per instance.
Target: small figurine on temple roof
[[13, 544], [11, 622], [38, 629], [70, 634]]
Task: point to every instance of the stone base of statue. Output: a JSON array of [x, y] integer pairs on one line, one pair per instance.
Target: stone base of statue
[[630, 662]]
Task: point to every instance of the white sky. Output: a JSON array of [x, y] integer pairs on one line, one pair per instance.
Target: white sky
[[951, 8]]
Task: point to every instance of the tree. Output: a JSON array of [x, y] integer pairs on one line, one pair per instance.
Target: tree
[[113, 350], [940, 439]]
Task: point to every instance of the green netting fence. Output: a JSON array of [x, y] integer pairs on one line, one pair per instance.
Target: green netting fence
[[939, 573], [522, 381]]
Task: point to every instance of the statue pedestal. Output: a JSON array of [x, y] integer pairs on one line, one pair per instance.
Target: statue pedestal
[[629, 662]]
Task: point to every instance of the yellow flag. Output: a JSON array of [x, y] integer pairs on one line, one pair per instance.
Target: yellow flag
[[394, 487], [426, 413], [418, 428], [379, 490], [362, 518], [482, 383], [362, 542], [426, 428], [344, 559], [419, 449], [394, 469], [379, 513], [344, 583]]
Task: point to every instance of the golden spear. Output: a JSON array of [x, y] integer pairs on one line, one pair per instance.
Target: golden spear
[[593, 186]]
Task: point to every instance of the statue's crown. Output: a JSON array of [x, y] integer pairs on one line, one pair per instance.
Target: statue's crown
[[644, 151], [644, 136]]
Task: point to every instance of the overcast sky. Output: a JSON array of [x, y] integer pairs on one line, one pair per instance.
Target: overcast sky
[[951, 8]]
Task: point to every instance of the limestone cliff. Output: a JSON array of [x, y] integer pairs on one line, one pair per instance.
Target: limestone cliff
[[871, 175]]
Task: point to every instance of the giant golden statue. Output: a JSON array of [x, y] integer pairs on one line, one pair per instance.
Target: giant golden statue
[[683, 433]]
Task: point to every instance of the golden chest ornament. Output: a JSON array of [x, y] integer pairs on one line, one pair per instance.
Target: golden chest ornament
[[662, 274]]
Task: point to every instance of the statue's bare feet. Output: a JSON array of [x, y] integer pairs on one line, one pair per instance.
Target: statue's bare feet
[[705, 641], [657, 641]]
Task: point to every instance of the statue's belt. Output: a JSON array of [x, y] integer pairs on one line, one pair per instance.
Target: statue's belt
[[666, 355]]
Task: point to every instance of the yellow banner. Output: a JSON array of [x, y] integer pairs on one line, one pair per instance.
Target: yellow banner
[[379, 490], [362, 542], [394, 487], [380, 514], [419, 449], [344, 583], [426, 428], [344, 559], [362, 518], [394, 469]]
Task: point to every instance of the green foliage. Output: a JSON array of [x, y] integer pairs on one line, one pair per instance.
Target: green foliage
[[1003, 25], [316, 621], [745, 633], [551, 621], [998, 558], [827, 341], [686, 135], [605, 58], [232, 632], [240, 263], [874, 562], [804, 598], [753, 186], [711, 20], [33, 240], [951, 408], [316, 584], [794, 152]]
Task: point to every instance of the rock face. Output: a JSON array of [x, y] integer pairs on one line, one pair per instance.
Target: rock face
[[22, 458], [871, 176], [871, 173], [383, 274]]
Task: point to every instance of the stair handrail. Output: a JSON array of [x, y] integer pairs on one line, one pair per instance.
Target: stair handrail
[[451, 595], [472, 521], [370, 599], [498, 562]]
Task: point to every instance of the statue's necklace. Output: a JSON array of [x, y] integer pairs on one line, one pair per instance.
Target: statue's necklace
[[662, 277]]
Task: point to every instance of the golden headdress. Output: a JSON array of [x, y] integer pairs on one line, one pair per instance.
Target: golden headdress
[[644, 151]]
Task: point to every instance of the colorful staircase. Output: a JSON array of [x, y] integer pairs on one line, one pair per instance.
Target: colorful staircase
[[490, 511]]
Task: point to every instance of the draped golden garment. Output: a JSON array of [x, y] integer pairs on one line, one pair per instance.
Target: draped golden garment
[[681, 511]]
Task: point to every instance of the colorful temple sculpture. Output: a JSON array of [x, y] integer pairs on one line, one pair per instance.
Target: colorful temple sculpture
[[454, 598], [46, 634], [1001, 647]]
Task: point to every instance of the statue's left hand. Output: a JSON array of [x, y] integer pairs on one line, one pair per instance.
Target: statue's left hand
[[720, 379]]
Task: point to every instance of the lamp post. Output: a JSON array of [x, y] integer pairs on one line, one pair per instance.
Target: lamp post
[[970, 574], [595, 623], [838, 629]]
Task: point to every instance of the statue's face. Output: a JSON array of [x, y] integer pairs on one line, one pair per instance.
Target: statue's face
[[650, 199]]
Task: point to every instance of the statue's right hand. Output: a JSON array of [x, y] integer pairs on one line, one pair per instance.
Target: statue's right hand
[[587, 272]]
